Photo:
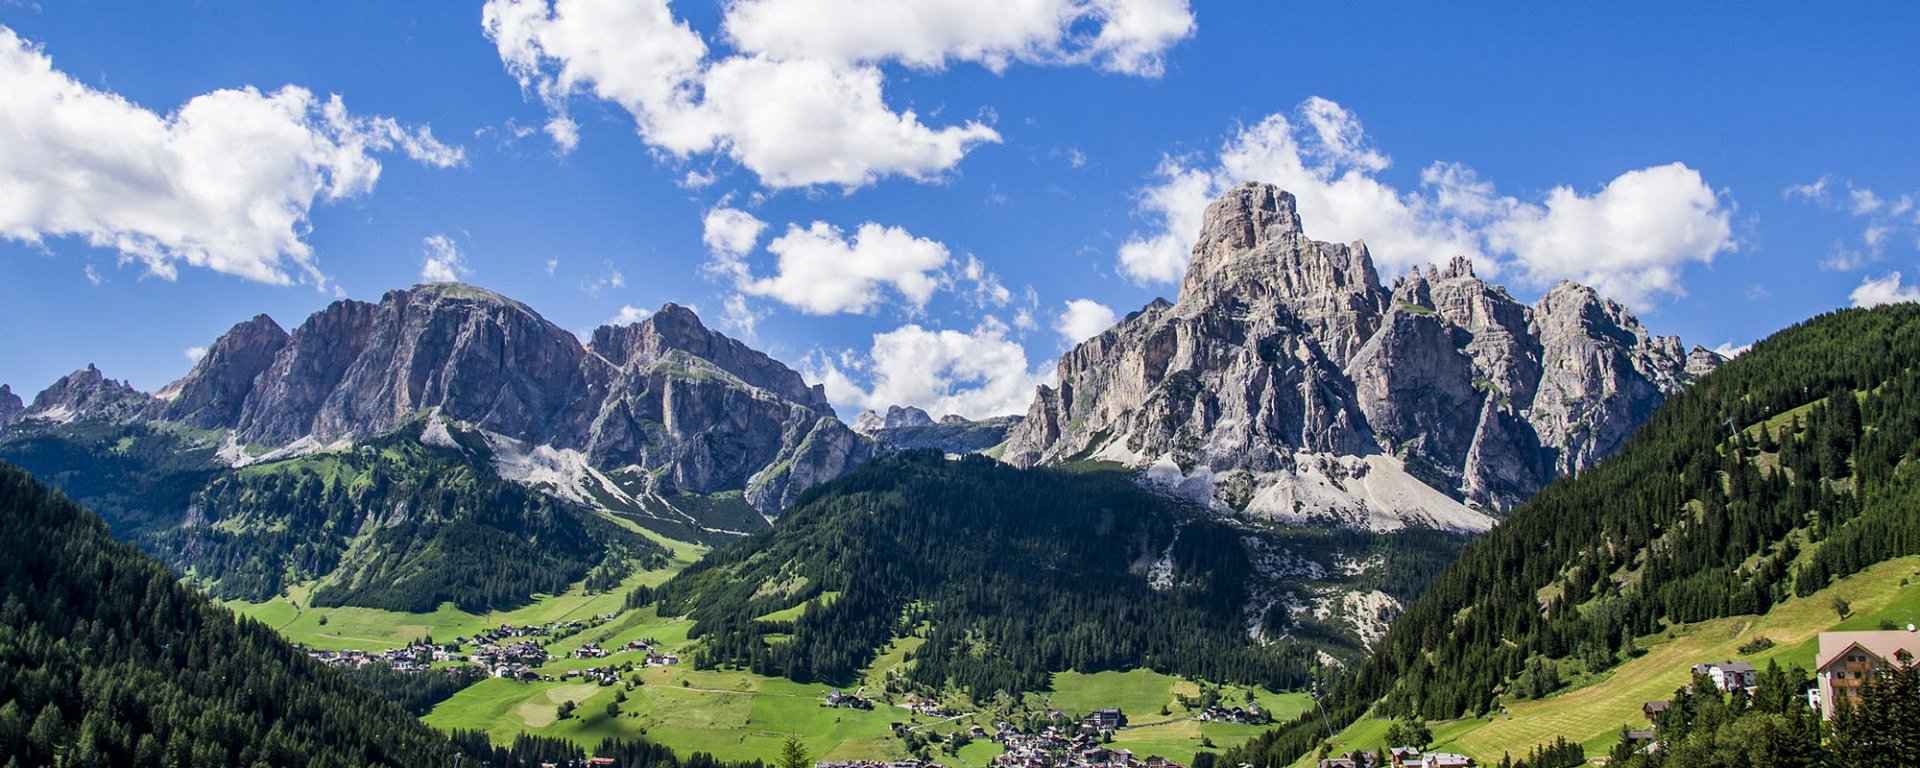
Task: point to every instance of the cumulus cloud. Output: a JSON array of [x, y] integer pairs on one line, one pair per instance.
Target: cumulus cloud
[[794, 122], [730, 233], [225, 182], [976, 374], [1874, 292], [821, 271], [195, 353], [1629, 239], [628, 315], [1127, 36], [442, 261], [1083, 319]]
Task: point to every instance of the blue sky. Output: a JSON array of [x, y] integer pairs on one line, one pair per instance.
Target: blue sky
[[905, 197]]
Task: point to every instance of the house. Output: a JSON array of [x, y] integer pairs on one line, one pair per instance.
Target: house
[[1654, 709], [599, 762], [1638, 738], [1729, 675], [1103, 720], [1847, 660], [1445, 760], [1403, 757]]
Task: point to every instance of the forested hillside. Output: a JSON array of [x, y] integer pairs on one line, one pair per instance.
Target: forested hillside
[[1010, 575], [396, 523], [106, 660], [1794, 464]]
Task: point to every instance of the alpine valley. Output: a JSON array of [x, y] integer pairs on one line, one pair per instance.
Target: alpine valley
[[1266, 522]]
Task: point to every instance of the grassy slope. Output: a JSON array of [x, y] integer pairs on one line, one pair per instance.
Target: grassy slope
[[373, 629], [1593, 714]]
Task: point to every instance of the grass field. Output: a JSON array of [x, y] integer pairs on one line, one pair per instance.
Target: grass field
[[1593, 714], [375, 629]]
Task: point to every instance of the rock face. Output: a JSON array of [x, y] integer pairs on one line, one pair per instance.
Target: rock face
[[212, 394], [953, 434], [897, 417], [680, 406], [1287, 383], [10, 407], [86, 395]]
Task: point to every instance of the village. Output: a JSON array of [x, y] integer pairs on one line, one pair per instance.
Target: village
[[507, 651]]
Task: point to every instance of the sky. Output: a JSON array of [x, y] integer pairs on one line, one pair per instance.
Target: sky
[[925, 202]]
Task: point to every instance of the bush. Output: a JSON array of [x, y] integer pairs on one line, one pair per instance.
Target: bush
[[1756, 645]]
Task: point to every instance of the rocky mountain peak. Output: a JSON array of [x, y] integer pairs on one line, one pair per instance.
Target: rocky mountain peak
[[1285, 382], [86, 394], [675, 327], [213, 392], [896, 417]]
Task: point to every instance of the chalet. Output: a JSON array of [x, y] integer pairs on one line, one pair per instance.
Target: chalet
[[1729, 675], [1654, 709], [1403, 757], [1445, 760], [1339, 762], [589, 651], [599, 762], [1847, 660]]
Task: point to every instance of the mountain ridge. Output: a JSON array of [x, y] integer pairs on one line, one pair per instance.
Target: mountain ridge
[[1284, 360]]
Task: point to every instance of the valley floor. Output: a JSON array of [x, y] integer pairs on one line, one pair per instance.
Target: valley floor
[[733, 714]]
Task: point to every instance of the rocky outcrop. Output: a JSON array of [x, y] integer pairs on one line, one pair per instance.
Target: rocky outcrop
[[666, 399], [11, 408], [909, 428], [212, 394], [86, 395], [677, 328], [1287, 383], [897, 417]]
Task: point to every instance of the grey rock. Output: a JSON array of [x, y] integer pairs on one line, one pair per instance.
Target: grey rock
[[1282, 348], [896, 417], [212, 394], [953, 434], [11, 408], [691, 408], [86, 395]]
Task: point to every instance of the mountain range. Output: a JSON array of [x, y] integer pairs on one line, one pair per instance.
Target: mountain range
[[1287, 383]]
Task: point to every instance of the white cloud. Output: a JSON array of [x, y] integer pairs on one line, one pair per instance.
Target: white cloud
[[982, 287], [1732, 350], [195, 353], [1886, 217], [628, 315], [1629, 239], [741, 317], [1128, 36], [225, 182], [793, 122], [731, 233], [820, 271], [442, 261], [610, 279], [975, 374], [1874, 292], [1083, 319]]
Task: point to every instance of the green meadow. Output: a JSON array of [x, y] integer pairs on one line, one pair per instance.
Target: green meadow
[[1593, 714]]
